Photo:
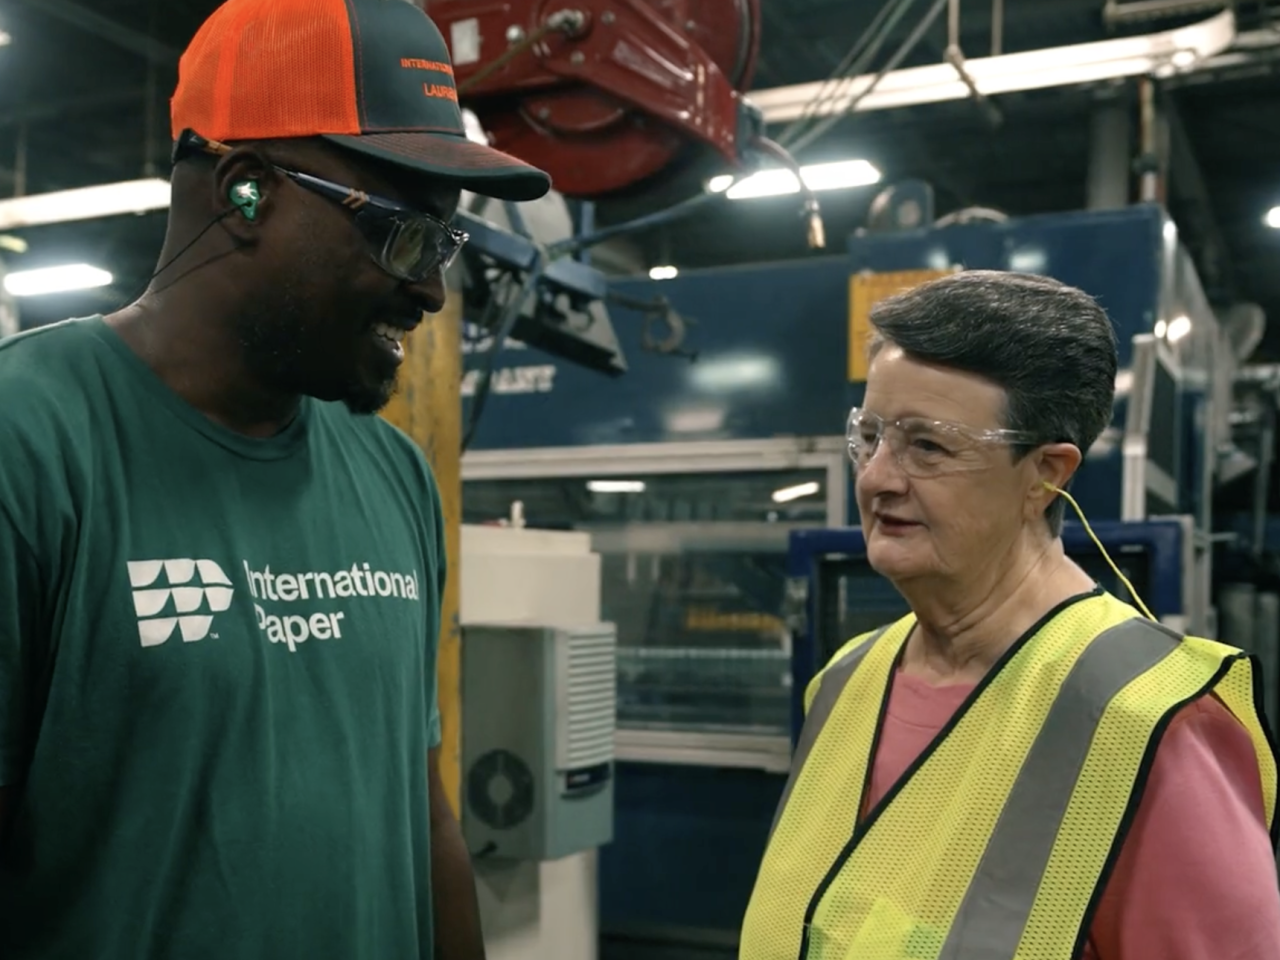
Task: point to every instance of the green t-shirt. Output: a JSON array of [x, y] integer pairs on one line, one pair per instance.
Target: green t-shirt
[[217, 671]]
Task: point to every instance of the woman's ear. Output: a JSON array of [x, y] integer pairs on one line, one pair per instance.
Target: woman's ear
[[1054, 465]]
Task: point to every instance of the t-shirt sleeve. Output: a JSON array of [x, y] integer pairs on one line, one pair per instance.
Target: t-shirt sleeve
[[1196, 878], [20, 600]]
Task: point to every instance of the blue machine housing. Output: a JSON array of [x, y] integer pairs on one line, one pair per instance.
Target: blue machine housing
[[771, 340], [771, 344]]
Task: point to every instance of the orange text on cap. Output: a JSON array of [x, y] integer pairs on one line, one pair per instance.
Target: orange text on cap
[[409, 63], [439, 90]]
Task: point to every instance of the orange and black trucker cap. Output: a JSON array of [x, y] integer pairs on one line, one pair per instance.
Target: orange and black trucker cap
[[373, 76]]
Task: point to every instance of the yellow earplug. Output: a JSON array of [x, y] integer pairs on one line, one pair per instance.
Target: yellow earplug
[[1098, 543]]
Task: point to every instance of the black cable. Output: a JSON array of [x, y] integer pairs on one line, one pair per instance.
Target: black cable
[[907, 45], [577, 244], [857, 60], [174, 259], [487, 322], [508, 322]]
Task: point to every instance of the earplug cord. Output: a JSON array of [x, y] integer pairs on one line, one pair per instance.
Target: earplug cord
[[1098, 543], [177, 256]]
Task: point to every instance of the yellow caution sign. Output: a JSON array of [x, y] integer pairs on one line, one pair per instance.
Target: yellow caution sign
[[865, 291]]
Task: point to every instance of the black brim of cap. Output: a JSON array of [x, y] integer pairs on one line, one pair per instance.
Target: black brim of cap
[[472, 166]]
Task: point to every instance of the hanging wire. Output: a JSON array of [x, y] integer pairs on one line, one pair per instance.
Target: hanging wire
[[855, 62], [904, 50]]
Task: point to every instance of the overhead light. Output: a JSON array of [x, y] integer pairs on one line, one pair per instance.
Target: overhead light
[[840, 175], [1179, 327], [615, 486], [64, 279], [1273, 218], [1161, 329], [86, 203], [1028, 260], [731, 373], [1031, 70], [5, 39], [663, 273], [787, 494]]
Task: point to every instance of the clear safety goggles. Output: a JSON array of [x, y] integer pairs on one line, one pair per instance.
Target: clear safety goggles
[[925, 448]]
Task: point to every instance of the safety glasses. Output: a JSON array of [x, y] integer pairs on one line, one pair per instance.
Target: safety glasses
[[925, 448], [408, 244]]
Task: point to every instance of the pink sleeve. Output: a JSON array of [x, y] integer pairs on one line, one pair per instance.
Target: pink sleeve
[[1196, 878]]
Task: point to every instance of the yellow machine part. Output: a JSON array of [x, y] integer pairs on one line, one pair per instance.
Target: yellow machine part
[[866, 289], [428, 407]]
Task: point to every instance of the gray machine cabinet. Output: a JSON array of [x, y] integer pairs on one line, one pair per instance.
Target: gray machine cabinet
[[539, 711]]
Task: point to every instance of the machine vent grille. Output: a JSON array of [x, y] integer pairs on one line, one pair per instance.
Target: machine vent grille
[[591, 700]]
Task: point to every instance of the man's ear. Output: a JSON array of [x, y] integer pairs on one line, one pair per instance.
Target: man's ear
[[244, 184]]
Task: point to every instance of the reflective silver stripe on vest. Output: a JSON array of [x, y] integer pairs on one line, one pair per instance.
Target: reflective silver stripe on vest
[[998, 903], [824, 701]]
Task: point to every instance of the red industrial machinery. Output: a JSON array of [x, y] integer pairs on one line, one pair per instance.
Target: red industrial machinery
[[604, 94]]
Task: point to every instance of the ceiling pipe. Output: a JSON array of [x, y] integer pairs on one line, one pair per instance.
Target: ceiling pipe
[[1161, 54], [1116, 14]]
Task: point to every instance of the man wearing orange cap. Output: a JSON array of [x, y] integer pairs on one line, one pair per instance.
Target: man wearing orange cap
[[220, 573]]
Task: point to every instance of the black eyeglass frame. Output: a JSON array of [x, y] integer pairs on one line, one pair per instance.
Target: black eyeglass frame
[[382, 222]]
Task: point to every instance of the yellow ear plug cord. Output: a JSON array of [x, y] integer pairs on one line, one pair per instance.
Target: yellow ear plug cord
[[1106, 556]]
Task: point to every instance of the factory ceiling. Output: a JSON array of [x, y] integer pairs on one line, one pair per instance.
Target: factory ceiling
[[84, 88]]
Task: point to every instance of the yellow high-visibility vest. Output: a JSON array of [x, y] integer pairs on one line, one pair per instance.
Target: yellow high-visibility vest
[[995, 844]]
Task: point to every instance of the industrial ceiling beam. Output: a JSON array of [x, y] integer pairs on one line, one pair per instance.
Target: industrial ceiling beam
[[135, 41], [1161, 53], [1117, 14]]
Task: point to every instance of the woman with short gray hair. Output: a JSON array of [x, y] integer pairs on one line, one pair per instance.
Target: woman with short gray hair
[[1024, 767]]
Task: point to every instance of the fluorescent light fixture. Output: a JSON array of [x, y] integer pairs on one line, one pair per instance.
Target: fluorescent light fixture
[[730, 373], [1031, 70], [696, 420], [5, 38], [787, 494], [87, 203], [663, 273], [840, 175], [615, 486], [1273, 218], [1179, 327], [1028, 260], [64, 279]]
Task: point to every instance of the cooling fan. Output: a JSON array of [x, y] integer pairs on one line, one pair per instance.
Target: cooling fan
[[500, 790]]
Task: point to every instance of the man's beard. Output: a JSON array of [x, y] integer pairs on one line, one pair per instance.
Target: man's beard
[[287, 349]]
